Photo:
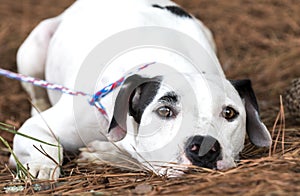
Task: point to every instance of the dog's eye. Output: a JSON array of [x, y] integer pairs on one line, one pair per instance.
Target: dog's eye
[[229, 113], [165, 112]]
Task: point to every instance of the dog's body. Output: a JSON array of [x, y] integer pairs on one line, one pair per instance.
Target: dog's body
[[220, 114]]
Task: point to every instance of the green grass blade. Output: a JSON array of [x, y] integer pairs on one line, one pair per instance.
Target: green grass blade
[[7, 128], [21, 170]]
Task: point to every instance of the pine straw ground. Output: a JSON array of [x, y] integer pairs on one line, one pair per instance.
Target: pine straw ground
[[274, 171], [255, 39]]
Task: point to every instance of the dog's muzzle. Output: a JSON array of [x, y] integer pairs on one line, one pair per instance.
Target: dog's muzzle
[[203, 151]]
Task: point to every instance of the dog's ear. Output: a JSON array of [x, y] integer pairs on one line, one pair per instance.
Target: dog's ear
[[256, 130], [135, 95]]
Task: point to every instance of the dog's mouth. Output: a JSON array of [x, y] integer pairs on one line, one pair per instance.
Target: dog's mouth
[[203, 151]]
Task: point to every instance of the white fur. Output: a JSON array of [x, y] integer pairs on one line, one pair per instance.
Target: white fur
[[57, 48]]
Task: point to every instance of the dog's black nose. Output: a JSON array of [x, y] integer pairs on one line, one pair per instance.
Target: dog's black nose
[[203, 151]]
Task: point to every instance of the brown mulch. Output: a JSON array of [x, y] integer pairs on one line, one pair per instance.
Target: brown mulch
[[259, 40], [277, 174]]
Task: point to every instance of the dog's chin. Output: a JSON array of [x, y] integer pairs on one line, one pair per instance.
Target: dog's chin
[[225, 165], [178, 170], [185, 165], [172, 172]]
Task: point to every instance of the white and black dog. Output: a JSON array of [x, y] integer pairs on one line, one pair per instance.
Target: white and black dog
[[186, 117]]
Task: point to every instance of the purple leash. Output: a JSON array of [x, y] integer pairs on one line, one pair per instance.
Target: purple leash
[[95, 98]]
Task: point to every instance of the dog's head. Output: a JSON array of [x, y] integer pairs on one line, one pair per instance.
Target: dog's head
[[193, 119]]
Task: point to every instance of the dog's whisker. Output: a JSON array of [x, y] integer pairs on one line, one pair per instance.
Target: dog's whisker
[[123, 152], [143, 159], [127, 159]]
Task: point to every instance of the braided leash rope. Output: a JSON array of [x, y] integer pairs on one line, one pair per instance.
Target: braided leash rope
[[109, 88], [94, 98]]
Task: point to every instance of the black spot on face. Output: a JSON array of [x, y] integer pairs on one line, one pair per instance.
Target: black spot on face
[[178, 11], [170, 97], [157, 6], [175, 10]]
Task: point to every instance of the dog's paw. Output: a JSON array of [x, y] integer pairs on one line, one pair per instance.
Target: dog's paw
[[98, 151], [44, 171], [107, 152], [36, 165]]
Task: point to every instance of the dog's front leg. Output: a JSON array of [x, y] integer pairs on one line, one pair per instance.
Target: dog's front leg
[[42, 160], [54, 126], [57, 126]]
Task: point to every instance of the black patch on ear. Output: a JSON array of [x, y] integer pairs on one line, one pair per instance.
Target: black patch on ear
[[134, 96], [244, 88], [257, 131], [113, 123], [147, 92], [178, 11]]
